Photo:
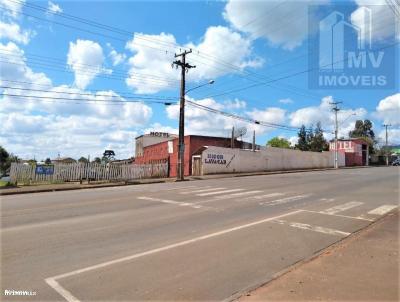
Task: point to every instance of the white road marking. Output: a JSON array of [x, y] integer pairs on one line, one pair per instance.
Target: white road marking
[[219, 192], [315, 228], [383, 209], [267, 195], [338, 215], [285, 200], [244, 193], [52, 281], [202, 190], [342, 207], [182, 204]]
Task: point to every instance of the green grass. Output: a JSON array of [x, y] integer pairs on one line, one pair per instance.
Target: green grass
[[4, 183]]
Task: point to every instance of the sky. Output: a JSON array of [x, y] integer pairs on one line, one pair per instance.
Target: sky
[[79, 77]]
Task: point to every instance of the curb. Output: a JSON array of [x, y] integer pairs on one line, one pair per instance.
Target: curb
[[189, 178]]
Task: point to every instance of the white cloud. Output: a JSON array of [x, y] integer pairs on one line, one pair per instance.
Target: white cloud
[[286, 101], [201, 122], [393, 136], [383, 20], [86, 59], [12, 31], [63, 125], [388, 110], [116, 58], [283, 24], [150, 66], [323, 113], [11, 9], [235, 104], [54, 8]]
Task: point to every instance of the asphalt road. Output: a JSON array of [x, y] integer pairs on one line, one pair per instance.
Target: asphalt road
[[197, 240]]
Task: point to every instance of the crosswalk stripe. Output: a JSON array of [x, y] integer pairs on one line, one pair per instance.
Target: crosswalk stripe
[[182, 204], [219, 192], [315, 228], [342, 207], [285, 200], [268, 195], [202, 190], [382, 209], [244, 193]]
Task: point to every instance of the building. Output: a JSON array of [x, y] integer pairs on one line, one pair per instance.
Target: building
[[354, 149], [166, 151], [152, 138], [63, 160]]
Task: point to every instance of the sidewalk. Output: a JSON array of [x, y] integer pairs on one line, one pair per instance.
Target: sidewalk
[[76, 186], [363, 267]]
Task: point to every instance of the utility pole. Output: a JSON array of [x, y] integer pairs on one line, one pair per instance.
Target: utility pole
[[386, 143], [336, 109], [181, 144]]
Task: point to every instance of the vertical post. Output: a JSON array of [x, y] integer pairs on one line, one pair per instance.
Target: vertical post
[[181, 144], [181, 140], [336, 109], [254, 140], [386, 144], [233, 137]]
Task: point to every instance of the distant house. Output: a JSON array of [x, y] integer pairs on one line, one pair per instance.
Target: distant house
[[63, 160], [354, 149]]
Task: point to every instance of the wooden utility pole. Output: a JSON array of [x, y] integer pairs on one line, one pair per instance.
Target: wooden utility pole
[[181, 144], [386, 144], [336, 109]]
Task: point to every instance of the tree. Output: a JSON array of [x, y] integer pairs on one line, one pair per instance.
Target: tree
[[108, 155], [4, 160], [317, 141], [47, 161], [83, 160], [303, 143], [97, 160], [363, 130], [279, 143]]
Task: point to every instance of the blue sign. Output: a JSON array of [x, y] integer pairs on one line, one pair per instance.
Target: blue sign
[[44, 169]]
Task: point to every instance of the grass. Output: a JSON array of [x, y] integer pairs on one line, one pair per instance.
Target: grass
[[4, 183]]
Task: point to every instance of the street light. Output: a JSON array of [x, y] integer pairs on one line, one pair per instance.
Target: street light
[[181, 141], [210, 82]]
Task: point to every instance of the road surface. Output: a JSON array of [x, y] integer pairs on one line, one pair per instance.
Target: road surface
[[198, 240]]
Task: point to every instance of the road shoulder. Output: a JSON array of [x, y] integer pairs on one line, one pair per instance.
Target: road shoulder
[[363, 267]]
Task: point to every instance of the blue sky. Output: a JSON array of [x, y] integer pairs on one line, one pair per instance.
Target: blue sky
[[235, 43]]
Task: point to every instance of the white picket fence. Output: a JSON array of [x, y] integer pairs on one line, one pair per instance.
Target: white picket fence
[[24, 173]]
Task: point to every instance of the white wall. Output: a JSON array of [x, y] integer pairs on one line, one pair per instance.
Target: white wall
[[226, 160]]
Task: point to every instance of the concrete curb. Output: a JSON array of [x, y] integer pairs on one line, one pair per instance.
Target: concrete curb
[[3, 192]]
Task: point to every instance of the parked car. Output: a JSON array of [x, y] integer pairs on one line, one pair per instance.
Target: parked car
[[396, 162]]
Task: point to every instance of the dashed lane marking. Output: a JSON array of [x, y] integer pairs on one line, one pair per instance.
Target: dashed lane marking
[[244, 193], [342, 207], [219, 192], [382, 209], [315, 228], [267, 195]]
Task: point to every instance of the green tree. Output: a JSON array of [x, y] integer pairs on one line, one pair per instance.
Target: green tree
[[279, 143], [47, 161], [83, 160], [364, 131], [4, 160], [303, 141], [97, 160], [317, 141]]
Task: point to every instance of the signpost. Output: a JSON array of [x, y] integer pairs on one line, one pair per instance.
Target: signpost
[[44, 169]]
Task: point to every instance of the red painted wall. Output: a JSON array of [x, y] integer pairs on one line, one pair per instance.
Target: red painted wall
[[159, 152]]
